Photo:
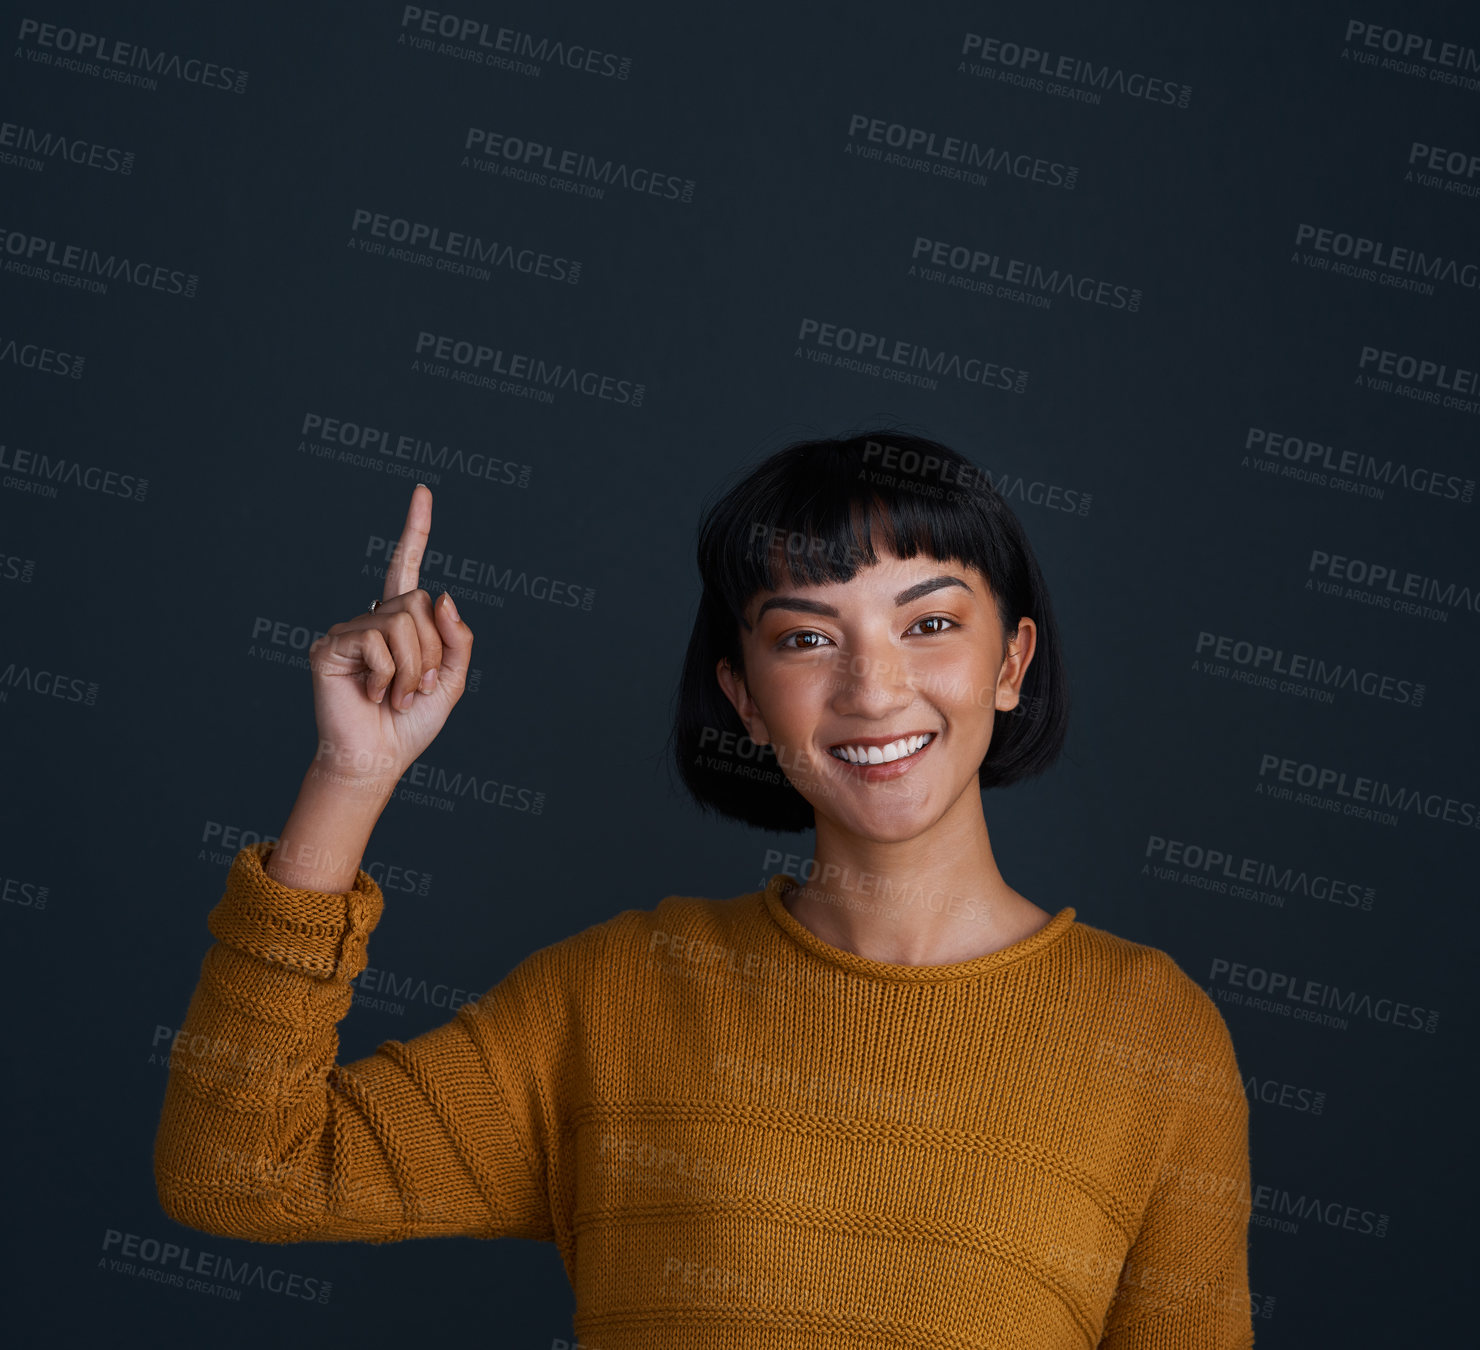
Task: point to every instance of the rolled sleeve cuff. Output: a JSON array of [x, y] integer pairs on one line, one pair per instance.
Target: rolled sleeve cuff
[[321, 933]]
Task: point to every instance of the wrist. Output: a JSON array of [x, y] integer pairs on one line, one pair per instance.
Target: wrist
[[328, 783], [326, 834], [306, 860], [357, 778]]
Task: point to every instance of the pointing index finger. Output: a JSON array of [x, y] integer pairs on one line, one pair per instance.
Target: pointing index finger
[[404, 571]]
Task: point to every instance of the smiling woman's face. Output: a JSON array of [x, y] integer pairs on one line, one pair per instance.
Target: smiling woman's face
[[906, 649]]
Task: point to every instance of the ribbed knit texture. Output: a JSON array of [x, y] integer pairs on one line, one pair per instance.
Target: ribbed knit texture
[[737, 1134]]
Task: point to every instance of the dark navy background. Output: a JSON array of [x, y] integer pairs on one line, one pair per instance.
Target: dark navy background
[[153, 718]]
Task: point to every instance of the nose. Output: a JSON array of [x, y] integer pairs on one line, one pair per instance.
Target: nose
[[872, 680]]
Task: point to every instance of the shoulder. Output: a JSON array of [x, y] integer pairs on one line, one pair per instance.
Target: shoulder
[[1136, 974], [1153, 1018], [687, 927]]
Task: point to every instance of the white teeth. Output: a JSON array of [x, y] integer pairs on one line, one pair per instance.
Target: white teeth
[[882, 754]]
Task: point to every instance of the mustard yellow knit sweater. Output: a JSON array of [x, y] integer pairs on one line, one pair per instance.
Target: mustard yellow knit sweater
[[737, 1134]]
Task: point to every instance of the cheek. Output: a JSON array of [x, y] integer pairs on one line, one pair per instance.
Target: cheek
[[791, 700], [804, 686], [967, 685]]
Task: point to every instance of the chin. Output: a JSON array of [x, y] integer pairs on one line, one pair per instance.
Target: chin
[[886, 824]]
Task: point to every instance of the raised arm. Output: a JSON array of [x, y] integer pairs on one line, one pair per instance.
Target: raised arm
[[263, 1135]]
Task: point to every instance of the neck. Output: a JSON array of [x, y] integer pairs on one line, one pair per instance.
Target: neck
[[936, 899]]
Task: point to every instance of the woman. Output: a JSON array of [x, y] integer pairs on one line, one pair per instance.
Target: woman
[[894, 1103]]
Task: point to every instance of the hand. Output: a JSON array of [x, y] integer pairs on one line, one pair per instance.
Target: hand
[[385, 681]]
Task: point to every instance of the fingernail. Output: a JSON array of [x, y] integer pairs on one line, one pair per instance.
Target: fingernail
[[451, 608], [429, 681]]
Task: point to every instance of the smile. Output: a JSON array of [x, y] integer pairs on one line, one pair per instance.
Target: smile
[[882, 754]]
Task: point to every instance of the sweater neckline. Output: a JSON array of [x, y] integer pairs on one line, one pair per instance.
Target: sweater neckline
[[1032, 945]]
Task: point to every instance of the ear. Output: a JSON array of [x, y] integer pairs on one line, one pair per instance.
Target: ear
[[739, 696], [1015, 665]]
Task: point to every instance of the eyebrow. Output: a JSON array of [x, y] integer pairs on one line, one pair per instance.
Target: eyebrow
[[905, 597]]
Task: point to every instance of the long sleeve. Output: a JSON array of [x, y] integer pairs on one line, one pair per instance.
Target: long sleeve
[[1185, 1282], [264, 1136]]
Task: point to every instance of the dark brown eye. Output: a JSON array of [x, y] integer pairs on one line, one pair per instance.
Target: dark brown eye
[[806, 632]]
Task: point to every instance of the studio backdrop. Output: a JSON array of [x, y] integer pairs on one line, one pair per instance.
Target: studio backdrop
[[1195, 288]]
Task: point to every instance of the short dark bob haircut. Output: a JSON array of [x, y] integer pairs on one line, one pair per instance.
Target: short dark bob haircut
[[807, 516]]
